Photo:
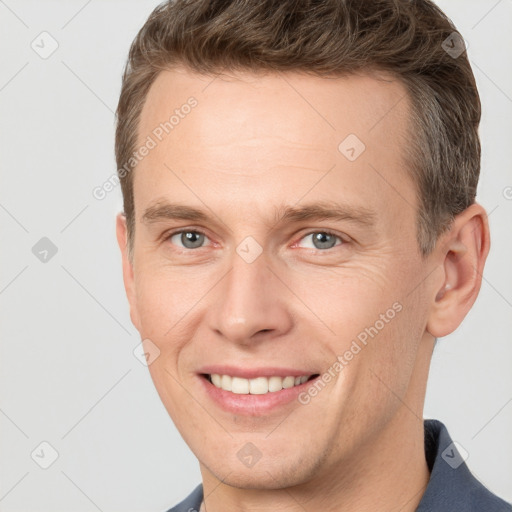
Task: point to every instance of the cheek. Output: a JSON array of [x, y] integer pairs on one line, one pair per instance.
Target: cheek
[[164, 299], [387, 360], [377, 367], [372, 325], [344, 301]]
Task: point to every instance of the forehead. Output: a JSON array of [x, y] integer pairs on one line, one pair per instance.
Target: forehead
[[275, 134], [306, 108]]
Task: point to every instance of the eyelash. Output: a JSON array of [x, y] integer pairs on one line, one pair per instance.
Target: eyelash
[[167, 237]]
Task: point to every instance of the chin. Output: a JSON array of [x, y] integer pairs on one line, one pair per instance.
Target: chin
[[261, 481], [281, 474]]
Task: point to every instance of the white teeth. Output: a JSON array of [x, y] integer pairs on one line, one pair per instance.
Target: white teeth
[[288, 382], [257, 386], [216, 379], [239, 386], [275, 384], [225, 382]]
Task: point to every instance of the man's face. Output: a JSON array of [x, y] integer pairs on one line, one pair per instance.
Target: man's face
[[248, 291]]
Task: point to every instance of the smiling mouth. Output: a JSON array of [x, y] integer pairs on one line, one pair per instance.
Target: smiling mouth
[[258, 385]]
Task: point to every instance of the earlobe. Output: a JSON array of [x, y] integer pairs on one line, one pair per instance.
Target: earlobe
[[462, 254]]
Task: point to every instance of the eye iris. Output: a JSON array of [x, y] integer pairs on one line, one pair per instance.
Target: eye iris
[[192, 239], [323, 240]]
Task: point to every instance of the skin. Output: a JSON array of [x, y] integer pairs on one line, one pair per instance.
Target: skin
[[252, 144]]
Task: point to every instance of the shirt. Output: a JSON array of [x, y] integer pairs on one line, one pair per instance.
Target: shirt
[[451, 487]]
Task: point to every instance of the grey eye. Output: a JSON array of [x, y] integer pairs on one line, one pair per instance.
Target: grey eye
[[322, 240], [189, 239]]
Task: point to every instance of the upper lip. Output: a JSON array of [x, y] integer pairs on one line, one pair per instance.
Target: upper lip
[[252, 373]]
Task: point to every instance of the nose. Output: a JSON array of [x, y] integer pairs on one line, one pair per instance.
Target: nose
[[251, 304]]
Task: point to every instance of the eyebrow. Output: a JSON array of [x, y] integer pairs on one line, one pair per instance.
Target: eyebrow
[[166, 211], [324, 210]]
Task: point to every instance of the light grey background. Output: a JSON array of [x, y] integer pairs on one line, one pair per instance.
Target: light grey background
[[68, 373]]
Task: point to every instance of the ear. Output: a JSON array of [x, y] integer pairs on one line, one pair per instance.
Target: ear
[[128, 274], [461, 254]]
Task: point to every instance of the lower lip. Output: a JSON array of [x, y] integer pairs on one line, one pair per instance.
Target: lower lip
[[253, 405]]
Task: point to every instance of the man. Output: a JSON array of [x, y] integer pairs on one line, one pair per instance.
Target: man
[[299, 227]]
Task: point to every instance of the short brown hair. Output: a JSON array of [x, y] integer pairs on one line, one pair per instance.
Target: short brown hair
[[405, 38]]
